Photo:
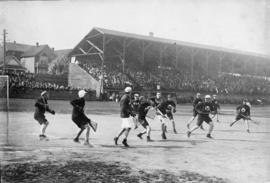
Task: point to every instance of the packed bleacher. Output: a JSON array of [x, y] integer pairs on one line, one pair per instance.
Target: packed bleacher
[[179, 80], [24, 80]]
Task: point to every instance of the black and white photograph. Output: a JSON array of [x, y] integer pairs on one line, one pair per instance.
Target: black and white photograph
[[135, 91]]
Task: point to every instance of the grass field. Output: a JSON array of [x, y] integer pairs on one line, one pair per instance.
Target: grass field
[[232, 156]]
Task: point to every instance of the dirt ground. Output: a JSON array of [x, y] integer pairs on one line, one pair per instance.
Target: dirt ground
[[232, 156]]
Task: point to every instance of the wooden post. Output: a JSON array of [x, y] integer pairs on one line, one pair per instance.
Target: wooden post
[[124, 55]]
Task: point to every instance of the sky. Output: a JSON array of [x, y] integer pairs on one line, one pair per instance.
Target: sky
[[236, 24]]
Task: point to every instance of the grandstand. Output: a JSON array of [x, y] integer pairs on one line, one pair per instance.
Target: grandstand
[[104, 60], [150, 62]]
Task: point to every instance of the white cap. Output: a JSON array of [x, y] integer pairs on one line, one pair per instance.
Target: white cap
[[82, 93], [128, 89], [207, 96], [43, 93]]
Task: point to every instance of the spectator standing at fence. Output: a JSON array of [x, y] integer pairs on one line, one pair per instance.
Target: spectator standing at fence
[[42, 106]]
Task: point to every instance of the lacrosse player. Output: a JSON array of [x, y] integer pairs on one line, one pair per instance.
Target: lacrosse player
[[196, 101], [127, 115], [216, 106], [42, 106], [135, 106], [243, 112], [172, 106], [79, 117], [143, 109], [203, 110]]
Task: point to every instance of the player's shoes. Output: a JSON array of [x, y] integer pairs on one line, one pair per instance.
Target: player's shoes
[[43, 137], [86, 143], [124, 142], [148, 139], [174, 131], [248, 130], [188, 134], [163, 136], [140, 135], [76, 140], [188, 125], [115, 140], [209, 136]]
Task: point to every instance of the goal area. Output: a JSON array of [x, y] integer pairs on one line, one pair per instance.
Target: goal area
[[4, 109]]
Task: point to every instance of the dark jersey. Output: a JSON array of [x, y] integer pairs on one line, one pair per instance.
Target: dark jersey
[[125, 107], [215, 104], [142, 110], [171, 103], [42, 106], [204, 108], [196, 101], [158, 101], [135, 106], [78, 107], [164, 107], [243, 110]]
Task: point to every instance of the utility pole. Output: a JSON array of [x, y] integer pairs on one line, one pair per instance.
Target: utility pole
[[4, 48]]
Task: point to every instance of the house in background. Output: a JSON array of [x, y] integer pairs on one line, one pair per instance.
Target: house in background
[[16, 49], [59, 64], [35, 59], [11, 64]]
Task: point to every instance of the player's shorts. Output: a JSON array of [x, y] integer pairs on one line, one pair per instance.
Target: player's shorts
[[170, 115], [81, 121], [239, 116], [40, 118], [143, 122], [161, 119], [195, 113], [202, 119], [127, 122]]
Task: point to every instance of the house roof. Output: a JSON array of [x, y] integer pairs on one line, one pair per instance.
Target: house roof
[[59, 53], [34, 50], [12, 63], [180, 43], [13, 46]]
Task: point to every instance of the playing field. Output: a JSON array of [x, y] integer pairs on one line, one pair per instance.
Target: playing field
[[232, 156]]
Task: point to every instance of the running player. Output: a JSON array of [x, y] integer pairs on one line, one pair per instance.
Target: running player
[[172, 106], [79, 117], [42, 106], [135, 106], [196, 101], [203, 110], [143, 109], [158, 99], [243, 112], [162, 109], [126, 116], [216, 106]]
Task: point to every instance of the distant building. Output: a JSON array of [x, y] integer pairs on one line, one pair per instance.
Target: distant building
[[35, 59]]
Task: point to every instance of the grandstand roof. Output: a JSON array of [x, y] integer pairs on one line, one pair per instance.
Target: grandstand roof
[[180, 43]]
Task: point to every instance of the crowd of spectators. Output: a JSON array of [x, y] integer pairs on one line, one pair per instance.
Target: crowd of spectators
[[180, 80], [20, 80], [169, 79]]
